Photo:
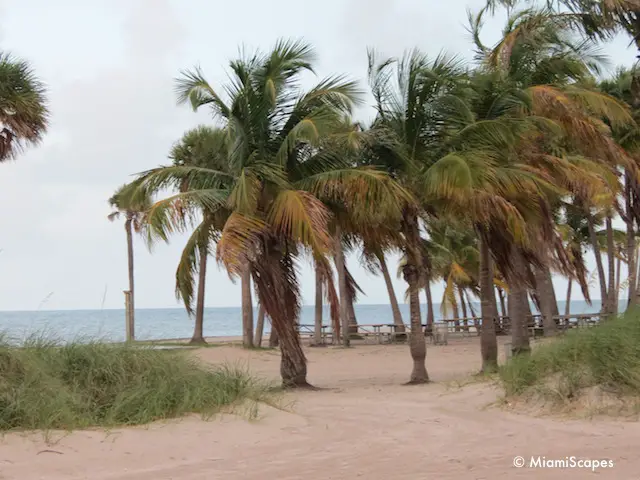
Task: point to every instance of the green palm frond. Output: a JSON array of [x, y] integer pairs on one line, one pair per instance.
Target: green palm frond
[[193, 88], [244, 196], [176, 176]]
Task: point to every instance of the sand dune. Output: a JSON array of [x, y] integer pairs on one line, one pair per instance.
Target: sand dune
[[365, 424]]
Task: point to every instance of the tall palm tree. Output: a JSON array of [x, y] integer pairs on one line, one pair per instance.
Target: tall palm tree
[[24, 115], [134, 213], [277, 170], [407, 92]]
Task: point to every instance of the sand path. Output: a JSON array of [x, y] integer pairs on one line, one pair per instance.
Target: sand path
[[365, 425]]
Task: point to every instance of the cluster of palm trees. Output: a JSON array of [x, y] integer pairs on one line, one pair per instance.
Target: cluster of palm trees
[[489, 175]]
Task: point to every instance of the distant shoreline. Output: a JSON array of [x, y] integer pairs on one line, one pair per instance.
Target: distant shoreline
[[594, 301]]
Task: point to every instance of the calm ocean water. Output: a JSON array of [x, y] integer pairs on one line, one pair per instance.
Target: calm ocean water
[[155, 324]]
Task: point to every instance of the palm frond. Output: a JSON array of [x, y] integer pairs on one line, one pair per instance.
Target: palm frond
[[199, 243], [192, 87], [24, 111], [180, 212], [302, 218], [238, 242]]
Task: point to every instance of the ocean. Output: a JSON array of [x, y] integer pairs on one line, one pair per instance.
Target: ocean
[[157, 324]]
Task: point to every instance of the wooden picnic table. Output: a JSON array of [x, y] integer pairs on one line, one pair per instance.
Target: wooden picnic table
[[382, 332]]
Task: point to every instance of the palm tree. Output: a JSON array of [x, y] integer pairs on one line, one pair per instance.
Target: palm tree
[[277, 170], [134, 213], [407, 92], [24, 115], [201, 147]]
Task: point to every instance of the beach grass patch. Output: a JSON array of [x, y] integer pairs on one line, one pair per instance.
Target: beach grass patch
[[45, 385], [595, 369]]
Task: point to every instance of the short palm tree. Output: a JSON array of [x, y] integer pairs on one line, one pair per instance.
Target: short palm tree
[[23, 106], [203, 147]]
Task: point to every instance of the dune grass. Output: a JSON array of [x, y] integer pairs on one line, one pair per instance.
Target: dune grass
[[44, 385], [606, 357]]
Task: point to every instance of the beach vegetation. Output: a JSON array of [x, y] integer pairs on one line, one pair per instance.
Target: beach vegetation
[[48, 386]]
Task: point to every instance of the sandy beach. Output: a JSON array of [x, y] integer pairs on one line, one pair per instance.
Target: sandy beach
[[364, 423]]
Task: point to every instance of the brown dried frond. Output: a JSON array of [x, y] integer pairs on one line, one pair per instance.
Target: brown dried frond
[[301, 218], [240, 237]]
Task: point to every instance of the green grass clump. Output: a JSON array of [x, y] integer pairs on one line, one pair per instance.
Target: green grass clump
[[606, 356], [48, 386]]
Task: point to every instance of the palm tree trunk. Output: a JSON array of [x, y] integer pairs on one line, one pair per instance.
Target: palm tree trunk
[[351, 299], [546, 297], [465, 319], [488, 340], [317, 329], [198, 330], [430, 315], [527, 306], [247, 309], [293, 363], [567, 306], [618, 265], [552, 291], [503, 306], [456, 313], [499, 322], [596, 252], [518, 306], [342, 287], [257, 341], [417, 344], [393, 300], [277, 290], [411, 271], [611, 256], [472, 310], [353, 321], [131, 334], [273, 338], [631, 244], [637, 257]]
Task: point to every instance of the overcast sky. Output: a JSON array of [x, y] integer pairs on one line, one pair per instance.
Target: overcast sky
[[110, 66]]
